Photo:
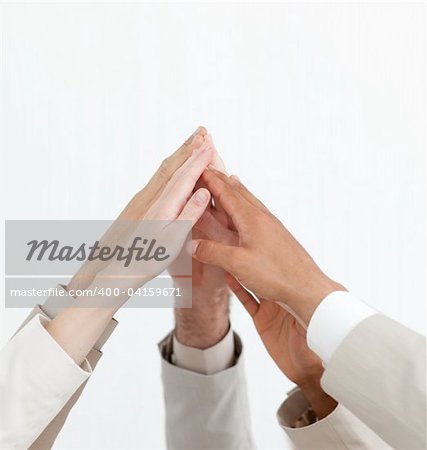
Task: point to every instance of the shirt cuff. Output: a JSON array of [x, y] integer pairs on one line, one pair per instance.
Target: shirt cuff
[[212, 360], [334, 318]]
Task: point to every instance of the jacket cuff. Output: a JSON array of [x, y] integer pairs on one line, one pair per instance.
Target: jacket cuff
[[339, 430]]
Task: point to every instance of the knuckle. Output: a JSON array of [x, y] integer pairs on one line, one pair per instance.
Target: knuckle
[[235, 258], [186, 150], [164, 168], [208, 251], [222, 197]]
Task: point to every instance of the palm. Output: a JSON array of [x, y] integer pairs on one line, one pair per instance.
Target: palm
[[285, 341]]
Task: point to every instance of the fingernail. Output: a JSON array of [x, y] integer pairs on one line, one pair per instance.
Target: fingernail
[[236, 178], [204, 146], [200, 148], [192, 247], [201, 196], [191, 138]]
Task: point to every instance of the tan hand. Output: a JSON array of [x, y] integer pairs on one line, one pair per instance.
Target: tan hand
[[286, 342], [283, 337], [262, 254]]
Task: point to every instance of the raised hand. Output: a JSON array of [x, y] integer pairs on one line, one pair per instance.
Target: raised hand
[[207, 321], [166, 202], [286, 342], [262, 254], [138, 207]]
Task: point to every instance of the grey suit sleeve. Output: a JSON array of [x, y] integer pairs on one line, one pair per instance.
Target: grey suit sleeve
[[49, 310], [379, 373], [205, 411]]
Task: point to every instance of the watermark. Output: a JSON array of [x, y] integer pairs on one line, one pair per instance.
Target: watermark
[[138, 250], [98, 263]]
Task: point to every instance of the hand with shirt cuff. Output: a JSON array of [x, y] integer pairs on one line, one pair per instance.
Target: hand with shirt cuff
[[252, 250], [357, 345], [286, 342], [258, 251]]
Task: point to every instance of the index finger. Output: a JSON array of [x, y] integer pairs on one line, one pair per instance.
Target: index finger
[[173, 162], [177, 192], [237, 207]]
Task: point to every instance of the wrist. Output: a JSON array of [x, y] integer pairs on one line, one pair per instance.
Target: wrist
[[204, 324], [321, 402], [307, 297]]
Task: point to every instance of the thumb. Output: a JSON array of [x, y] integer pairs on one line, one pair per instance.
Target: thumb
[[214, 253]]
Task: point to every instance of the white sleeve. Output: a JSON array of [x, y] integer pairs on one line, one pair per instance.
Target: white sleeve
[[334, 318], [37, 378], [212, 360]]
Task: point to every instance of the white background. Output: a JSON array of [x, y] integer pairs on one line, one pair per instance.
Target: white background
[[319, 108]]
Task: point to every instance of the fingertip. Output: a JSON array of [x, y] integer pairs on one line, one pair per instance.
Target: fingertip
[[207, 154], [208, 173], [201, 130], [203, 147], [192, 246], [202, 196], [197, 142], [210, 149], [213, 169], [218, 163], [209, 140]]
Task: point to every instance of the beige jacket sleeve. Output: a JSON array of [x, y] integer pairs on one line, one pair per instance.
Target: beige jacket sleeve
[[340, 430], [205, 411], [37, 378], [378, 373], [51, 357]]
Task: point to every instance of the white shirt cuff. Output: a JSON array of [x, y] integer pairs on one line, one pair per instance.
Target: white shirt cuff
[[212, 360], [334, 318]]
